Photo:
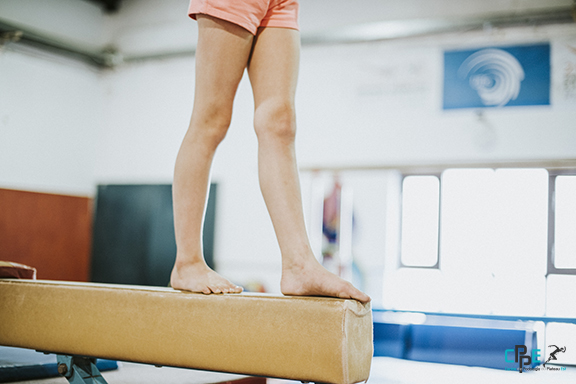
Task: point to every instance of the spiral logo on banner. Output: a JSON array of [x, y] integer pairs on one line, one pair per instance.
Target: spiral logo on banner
[[497, 77], [495, 74]]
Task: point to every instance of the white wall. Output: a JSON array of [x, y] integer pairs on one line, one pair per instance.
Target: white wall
[[50, 118], [145, 116], [380, 103]]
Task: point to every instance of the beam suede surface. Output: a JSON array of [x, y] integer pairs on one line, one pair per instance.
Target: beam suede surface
[[300, 338]]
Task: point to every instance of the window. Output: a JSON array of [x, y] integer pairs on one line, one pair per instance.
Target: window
[[490, 233], [420, 221]]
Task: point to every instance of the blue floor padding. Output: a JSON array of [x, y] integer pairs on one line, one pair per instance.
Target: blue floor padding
[[26, 364], [390, 339], [449, 340], [481, 347]]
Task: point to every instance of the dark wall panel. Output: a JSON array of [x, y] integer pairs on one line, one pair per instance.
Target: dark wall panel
[[134, 234]]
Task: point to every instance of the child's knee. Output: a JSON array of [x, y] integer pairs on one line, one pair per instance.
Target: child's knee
[[275, 120], [211, 124]]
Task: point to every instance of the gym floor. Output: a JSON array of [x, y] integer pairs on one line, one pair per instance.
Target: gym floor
[[384, 371]]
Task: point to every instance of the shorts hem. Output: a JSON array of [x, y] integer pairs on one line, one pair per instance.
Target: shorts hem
[[279, 24], [226, 16]]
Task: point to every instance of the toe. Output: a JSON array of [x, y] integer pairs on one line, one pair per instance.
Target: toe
[[216, 289], [206, 291]]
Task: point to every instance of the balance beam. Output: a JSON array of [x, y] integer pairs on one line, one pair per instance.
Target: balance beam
[[312, 339]]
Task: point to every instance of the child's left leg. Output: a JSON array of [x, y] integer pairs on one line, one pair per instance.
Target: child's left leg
[[273, 72]]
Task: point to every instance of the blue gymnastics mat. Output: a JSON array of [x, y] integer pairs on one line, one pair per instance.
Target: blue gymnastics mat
[[26, 364], [451, 340]]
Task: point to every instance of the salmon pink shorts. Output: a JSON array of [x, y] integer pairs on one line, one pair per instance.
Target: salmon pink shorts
[[250, 14]]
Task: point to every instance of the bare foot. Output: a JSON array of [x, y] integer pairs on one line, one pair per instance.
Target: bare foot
[[199, 277], [312, 279]]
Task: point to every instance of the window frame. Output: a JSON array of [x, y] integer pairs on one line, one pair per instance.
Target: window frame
[[551, 269]]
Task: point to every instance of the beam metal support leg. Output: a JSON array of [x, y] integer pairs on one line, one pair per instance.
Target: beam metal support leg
[[79, 370]]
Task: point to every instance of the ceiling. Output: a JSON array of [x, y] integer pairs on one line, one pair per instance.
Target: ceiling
[[108, 32]]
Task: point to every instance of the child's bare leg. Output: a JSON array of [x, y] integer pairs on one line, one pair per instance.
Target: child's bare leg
[[222, 53], [273, 71]]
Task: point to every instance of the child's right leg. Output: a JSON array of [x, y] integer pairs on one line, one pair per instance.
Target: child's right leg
[[222, 54]]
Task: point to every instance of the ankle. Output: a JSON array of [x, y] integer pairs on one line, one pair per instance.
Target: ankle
[[298, 257], [189, 262]]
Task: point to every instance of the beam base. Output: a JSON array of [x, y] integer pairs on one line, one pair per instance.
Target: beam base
[[79, 370]]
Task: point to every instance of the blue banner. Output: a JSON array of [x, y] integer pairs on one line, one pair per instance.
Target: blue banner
[[497, 77]]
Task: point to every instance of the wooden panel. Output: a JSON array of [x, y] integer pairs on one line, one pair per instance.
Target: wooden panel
[[49, 232]]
